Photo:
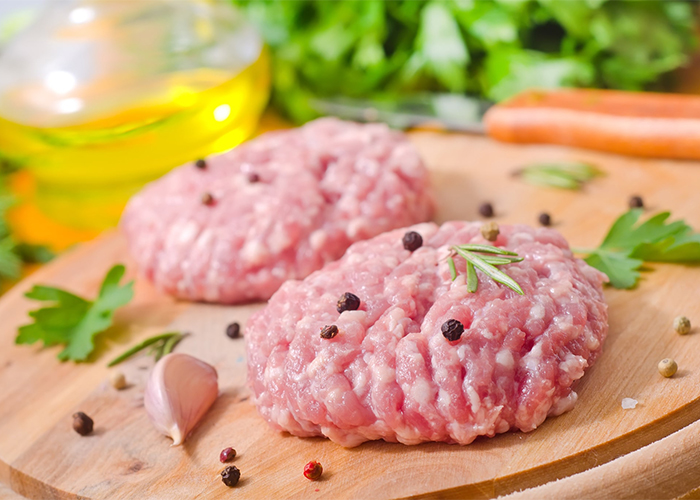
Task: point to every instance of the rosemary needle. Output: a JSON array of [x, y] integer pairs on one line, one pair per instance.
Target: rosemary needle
[[499, 261], [487, 249], [472, 280], [163, 338], [170, 344], [453, 269]]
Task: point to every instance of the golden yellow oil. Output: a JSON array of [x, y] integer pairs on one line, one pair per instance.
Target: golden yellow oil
[[84, 173]]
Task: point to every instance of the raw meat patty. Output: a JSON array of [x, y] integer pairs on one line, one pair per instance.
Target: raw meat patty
[[390, 373], [282, 205]]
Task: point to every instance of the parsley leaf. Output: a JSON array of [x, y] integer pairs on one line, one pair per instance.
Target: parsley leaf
[[74, 321], [628, 245], [620, 269]]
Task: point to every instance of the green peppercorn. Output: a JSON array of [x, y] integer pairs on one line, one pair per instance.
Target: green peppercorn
[[118, 380], [682, 325], [490, 231], [668, 367]]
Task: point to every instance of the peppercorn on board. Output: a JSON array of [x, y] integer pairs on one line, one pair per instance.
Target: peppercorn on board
[[41, 456]]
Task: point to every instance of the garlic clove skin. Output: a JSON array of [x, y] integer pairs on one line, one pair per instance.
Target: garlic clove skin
[[179, 391]]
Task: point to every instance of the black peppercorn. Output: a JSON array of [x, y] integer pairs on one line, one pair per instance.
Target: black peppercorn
[[486, 209], [233, 330], [329, 331], [452, 329], [636, 202], [412, 241], [230, 476], [207, 199], [545, 219], [348, 302], [200, 164], [82, 424], [253, 178]]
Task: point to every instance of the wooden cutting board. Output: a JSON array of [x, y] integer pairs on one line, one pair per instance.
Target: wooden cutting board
[[42, 457]]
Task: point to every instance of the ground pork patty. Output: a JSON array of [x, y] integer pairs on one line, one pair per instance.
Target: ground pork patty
[[281, 206], [390, 373]]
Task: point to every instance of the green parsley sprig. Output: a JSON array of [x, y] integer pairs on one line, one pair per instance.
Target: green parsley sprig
[[494, 256], [73, 321], [628, 245]]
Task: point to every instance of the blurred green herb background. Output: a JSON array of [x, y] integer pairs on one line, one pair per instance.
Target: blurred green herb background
[[485, 48], [12, 253]]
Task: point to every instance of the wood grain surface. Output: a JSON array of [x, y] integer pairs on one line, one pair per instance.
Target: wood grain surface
[[664, 469], [42, 457]]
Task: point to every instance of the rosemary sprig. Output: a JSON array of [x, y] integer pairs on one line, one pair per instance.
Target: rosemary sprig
[[169, 345], [160, 345], [486, 264]]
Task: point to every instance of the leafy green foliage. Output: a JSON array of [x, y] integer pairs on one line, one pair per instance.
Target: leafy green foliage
[[33, 254], [628, 245], [13, 254], [10, 262], [489, 48], [74, 321]]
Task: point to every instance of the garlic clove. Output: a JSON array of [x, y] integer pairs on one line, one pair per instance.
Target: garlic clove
[[179, 391]]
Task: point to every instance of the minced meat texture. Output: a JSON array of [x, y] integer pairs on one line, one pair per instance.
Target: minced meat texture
[[277, 207], [390, 373]]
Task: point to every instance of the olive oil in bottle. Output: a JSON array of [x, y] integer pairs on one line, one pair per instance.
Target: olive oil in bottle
[[99, 97]]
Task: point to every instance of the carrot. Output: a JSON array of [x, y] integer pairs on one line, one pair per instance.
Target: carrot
[[629, 123]]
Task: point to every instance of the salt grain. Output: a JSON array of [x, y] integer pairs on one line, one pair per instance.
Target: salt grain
[[629, 403]]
